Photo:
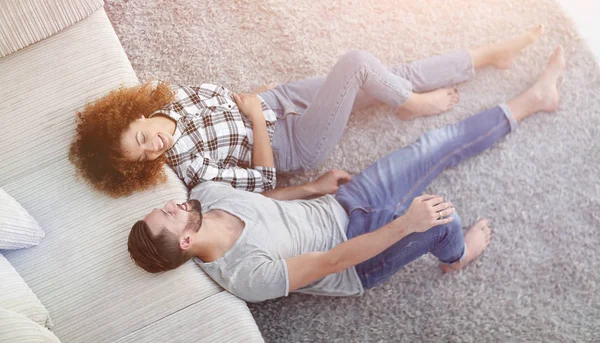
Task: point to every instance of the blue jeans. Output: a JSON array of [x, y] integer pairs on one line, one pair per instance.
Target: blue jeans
[[385, 190], [312, 114]]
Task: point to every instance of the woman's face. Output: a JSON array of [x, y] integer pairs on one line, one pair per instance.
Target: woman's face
[[146, 139]]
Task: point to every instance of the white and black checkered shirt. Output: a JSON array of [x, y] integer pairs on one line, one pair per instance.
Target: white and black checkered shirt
[[213, 139]]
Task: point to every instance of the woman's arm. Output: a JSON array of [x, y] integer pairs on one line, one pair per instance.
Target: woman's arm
[[202, 169], [262, 153]]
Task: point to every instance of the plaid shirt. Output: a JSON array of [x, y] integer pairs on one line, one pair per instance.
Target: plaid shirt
[[213, 140]]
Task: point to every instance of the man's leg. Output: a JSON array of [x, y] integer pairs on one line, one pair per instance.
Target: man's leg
[[443, 241], [446, 242], [404, 174], [396, 179], [385, 190]]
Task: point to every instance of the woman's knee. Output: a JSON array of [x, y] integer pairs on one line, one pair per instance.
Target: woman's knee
[[309, 163], [355, 59]]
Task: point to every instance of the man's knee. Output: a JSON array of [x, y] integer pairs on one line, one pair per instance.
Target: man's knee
[[455, 226]]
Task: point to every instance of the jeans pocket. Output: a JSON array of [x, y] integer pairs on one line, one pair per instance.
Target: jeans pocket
[[279, 113]]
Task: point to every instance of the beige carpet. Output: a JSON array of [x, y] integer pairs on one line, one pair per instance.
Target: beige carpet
[[539, 281]]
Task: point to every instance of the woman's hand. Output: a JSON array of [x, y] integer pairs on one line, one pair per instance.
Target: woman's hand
[[250, 105], [427, 211], [330, 182]]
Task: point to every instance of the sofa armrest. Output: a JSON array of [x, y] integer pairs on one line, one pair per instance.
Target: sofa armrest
[[25, 22]]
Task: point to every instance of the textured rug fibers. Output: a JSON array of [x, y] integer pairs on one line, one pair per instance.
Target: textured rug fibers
[[538, 281]]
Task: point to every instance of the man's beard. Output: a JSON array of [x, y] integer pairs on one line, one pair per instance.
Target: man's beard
[[195, 219]]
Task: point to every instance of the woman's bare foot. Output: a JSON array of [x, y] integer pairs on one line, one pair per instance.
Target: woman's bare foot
[[543, 95], [501, 54], [477, 238], [264, 88], [545, 88], [428, 104]]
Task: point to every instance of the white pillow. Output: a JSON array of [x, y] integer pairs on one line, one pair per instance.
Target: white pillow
[[17, 228], [16, 296], [16, 328]]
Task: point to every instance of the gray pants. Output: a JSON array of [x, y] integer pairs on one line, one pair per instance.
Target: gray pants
[[313, 113]]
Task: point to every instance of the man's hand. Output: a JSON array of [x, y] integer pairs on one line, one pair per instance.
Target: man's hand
[[330, 182], [425, 212], [250, 106]]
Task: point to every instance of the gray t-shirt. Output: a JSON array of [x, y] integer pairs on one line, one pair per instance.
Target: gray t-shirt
[[254, 268]]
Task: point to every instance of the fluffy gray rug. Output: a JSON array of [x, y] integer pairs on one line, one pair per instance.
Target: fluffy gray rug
[[539, 280]]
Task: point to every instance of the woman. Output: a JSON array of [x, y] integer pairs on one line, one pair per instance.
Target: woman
[[208, 133]]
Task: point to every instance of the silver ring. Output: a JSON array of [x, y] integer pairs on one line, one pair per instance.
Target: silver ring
[[440, 214]]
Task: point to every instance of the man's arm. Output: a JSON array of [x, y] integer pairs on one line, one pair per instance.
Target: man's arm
[[421, 216], [327, 183]]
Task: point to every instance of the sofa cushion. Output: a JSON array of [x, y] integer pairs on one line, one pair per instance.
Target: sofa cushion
[[18, 229], [24, 22], [16, 328], [82, 271], [16, 296], [221, 318]]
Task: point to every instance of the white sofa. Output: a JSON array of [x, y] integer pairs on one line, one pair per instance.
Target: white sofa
[[56, 55]]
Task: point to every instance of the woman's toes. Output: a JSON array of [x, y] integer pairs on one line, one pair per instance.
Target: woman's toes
[[537, 30]]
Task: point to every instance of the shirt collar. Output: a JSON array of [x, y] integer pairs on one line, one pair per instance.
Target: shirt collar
[[179, 126]]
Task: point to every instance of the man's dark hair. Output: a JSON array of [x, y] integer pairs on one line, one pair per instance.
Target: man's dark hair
[[155, 253]]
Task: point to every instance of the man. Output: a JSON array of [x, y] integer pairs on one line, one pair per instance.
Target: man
[[261, 247]]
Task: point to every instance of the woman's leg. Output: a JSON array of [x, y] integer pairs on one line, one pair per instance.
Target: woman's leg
[[385, 190], [307, 139], [359, 80], [427, 99], [425, 75]]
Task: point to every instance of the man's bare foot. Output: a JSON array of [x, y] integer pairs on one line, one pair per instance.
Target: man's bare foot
[[428, 104], [543, 95], [264, 88], [477, 238], [501, 54]]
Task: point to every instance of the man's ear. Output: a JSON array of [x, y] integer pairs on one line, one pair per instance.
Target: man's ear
[[186, 242]]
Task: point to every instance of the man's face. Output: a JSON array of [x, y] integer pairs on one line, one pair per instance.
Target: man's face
[[176, 218]]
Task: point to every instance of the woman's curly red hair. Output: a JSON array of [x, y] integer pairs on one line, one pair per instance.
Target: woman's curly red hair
[[95, 150]]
